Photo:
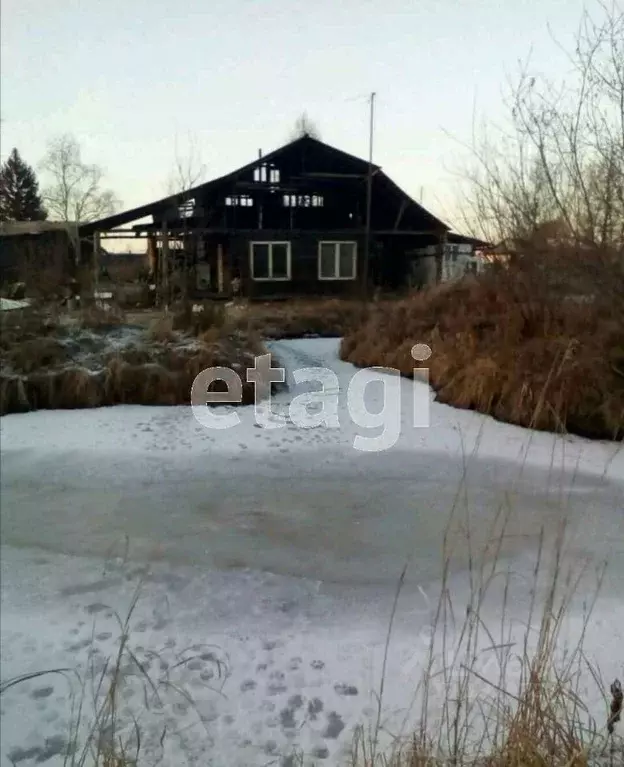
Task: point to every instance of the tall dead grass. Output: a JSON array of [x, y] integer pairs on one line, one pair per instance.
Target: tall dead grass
[[301, 317], [51, 361], [490, 694], [99, 734], [538, 344], [486, 696]]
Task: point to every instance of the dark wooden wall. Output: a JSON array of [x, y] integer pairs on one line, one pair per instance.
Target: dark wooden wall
[[28, 257], [304, 264]]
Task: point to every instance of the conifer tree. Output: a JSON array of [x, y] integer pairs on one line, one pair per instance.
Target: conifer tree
[[19, 191]]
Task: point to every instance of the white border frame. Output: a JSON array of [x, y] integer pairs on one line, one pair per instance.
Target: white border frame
[[337, 260], [270, 244]]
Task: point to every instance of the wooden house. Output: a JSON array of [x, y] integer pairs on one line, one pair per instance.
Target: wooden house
[[306, 219]]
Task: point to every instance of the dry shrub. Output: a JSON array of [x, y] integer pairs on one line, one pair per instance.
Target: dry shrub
[[330, 318], [134, 355], [71, 388], [23, 324], [36, 353], [77, 388], [162, 329], [208, 315], [13, 395], [182, 318], [147, 384], [133, 295], [39, 370], [539, 344], [98, 317]]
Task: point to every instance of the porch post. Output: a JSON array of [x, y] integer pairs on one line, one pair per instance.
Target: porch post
[[220, 268], [164, 272], [96, 263], [152, 258], [440, 256]]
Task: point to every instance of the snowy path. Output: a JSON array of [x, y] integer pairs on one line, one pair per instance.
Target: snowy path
[[279, 546]]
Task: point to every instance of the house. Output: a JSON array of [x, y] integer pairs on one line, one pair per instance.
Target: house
[[460, 256], [40, 252], [292, 222]]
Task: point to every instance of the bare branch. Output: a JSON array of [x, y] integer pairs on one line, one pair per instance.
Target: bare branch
[[304, 126], [188, 169], [563, 159], [74, 192]]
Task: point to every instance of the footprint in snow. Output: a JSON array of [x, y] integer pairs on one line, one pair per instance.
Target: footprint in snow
[[334, 727], [346, 689]]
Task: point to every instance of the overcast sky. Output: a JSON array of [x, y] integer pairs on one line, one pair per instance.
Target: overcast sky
[[128, 76]]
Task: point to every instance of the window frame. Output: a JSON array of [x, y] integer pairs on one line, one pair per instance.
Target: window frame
[[270, 244], [337, 244], [239, 201]]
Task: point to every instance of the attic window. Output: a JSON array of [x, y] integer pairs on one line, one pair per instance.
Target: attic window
[[241, 200], [264, 173], [186, 208]]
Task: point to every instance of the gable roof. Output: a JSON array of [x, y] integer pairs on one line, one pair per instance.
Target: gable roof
[[305, 144]]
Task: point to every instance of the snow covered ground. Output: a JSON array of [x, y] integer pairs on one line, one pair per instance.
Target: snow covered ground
[[268, 555]]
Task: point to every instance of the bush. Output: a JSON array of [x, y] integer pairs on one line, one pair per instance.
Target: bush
[[302, 317], [57, 362], [538, 344]]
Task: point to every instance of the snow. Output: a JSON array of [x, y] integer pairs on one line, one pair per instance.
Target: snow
[[8, 304], [275, 549]]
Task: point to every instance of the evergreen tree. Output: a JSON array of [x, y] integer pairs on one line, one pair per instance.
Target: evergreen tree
[[19, 192]]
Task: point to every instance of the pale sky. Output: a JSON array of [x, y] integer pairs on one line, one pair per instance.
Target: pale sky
[[128, 76]]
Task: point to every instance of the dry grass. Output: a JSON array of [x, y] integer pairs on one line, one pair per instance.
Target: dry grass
[[489, 696], [99, 735], [101, 316], [36, 353], [524, 709], [296, 318], [161, 329], [536, 345], [51, 361]]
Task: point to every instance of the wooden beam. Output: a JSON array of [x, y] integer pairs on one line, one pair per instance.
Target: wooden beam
[[95, 264], [220, 267], [440, 257], [124, 236], [435, 233], [400, 213], [361, 176], [164, 273]]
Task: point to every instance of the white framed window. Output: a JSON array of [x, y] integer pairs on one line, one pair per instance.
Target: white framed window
[[263, 173], [186, 208], [303, 200], [242, 200], [337, 260], [269, 261]]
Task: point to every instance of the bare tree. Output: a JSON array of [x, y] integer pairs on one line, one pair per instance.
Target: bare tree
[[304, 126], [75, 192], [188, 169], [562, 158]]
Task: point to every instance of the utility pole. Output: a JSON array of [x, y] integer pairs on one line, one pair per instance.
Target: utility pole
[[369, 197]]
